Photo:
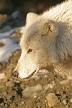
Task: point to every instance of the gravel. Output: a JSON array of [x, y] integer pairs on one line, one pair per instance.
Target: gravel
[[52, 99]]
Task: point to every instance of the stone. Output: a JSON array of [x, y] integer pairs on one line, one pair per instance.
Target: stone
[[44, 71], [5, 94], [9, 84], [47, 86], [36, 77], [16, 14], [71, 100], [2, 75], [38, 87], [52, 99], [64, 101], [32, 91]]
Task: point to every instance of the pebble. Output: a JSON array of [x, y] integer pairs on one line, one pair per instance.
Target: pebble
[[43, 71], [17, 81], [47, 86], [52, 99], [15, 14], [71, 100], [38, 106], [64, 82], [64, 101], [32, 91], [4, 93], [9, 84], [36, 77], [22, 102], [2, 75], [38, 87]]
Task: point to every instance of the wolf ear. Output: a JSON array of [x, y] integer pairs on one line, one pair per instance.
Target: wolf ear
[[31, 17], [48, 27]]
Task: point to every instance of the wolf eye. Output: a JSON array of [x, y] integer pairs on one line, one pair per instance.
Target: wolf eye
[[30, 50]]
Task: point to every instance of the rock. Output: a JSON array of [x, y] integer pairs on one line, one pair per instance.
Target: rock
[[52, 99], [27, 92], [22, 102], [64, 81], [5, 94], [64, 101], [2, 75], [32, 91], [47, 86], [38, 106], [36, 77], [44, 71], [38, 87], [16, 14], [71, 100], [18, 82], [10, 84]]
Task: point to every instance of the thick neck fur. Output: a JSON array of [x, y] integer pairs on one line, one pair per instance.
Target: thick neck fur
[[64, 41], [62, 16], [61, 12]]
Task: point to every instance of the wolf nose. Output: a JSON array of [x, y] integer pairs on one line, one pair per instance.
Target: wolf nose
[[15, 74]]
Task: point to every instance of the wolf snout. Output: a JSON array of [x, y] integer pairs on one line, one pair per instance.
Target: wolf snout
[[15, 74]]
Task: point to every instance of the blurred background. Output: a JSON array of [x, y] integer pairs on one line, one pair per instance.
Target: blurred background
[[25, 6]]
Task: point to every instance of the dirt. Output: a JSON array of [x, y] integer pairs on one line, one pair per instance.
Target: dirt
[[32, 92]]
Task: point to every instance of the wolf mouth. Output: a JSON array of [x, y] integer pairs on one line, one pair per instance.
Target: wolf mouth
[[29, 75]]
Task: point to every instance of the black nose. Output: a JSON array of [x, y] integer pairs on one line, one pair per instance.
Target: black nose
[[15, 74]]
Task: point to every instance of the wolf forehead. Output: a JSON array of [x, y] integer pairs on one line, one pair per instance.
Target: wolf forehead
[[41, 27], [28, 37], [31, 33]]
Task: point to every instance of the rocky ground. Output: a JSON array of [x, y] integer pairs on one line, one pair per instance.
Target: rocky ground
[[44, 90], [49, 90]]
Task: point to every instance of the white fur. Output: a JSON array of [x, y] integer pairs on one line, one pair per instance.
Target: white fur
[[49, 36]]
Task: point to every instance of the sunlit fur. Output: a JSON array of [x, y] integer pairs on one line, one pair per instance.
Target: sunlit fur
[[49, 35]]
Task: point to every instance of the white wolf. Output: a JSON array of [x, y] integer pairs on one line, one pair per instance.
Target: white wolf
[[46, 41]]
